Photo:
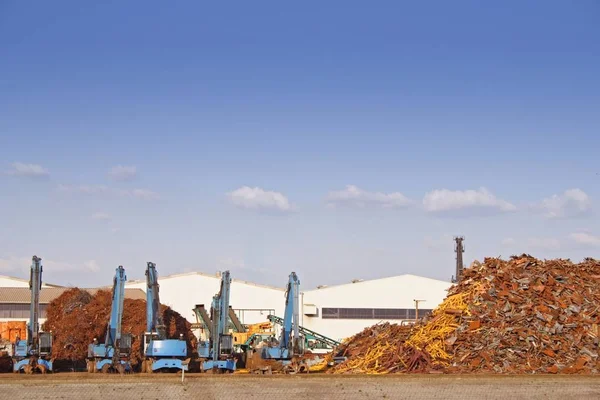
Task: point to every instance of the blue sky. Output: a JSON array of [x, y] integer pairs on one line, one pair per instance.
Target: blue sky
[[337, 139]]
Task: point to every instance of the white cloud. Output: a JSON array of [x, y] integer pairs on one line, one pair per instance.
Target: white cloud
[[101, 216], [444, 200], [91, 266], [84, 189], [21, 266], [543, 243], [143, 194], [259, 199], [123, 173], [508, 242], [355, 197], [28, 170], [586, 239], [571, 203]]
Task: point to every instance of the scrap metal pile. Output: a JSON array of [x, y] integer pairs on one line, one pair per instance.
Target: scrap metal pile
[[76, 318], [378, 349], [518, 316]]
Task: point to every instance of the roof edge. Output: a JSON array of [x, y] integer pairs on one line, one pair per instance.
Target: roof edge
[[325, 287], [14, 278], [205, 274]]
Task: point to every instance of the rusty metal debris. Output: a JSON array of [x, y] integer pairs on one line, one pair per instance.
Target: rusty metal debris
[[378, 349], [76, 318], [514, 316]]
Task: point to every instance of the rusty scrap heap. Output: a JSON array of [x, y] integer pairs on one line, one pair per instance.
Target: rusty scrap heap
[[377, 349], [76, 318], [518, 316]]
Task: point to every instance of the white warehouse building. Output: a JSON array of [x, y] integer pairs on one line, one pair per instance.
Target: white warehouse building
[[182, 292], [343, 310], [337, 311]]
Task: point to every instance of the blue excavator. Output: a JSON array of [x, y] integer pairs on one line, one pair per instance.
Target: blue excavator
[[288, 349], [290, 346], [34, 352], [217, 353], [113, 354], [158, 352]]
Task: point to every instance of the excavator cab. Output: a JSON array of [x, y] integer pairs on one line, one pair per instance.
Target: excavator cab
[[204, 349], [226, 345], [125, 344], [148, 338], [45, 343]]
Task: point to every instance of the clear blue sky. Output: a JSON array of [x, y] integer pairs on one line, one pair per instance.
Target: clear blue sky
[[417, 106]]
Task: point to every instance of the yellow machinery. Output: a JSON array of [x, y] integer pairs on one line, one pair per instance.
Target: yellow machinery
[[261, 328]]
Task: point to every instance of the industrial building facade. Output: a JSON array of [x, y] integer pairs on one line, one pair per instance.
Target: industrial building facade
[[337, 311]]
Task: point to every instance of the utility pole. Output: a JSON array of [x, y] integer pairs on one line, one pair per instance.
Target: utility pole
[[459, 249], [417, 308]]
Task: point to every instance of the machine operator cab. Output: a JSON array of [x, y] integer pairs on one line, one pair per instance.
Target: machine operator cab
[[148, 338], [41, 349], [225, 347], [100, 350]]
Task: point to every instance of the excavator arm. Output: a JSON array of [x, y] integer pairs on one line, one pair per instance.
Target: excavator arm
[[34, 351]]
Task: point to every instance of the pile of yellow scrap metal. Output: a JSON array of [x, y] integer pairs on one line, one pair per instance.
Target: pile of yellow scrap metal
[[376, 350], [431, 336]]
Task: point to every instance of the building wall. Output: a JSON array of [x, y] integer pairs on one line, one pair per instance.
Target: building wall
[[183, 292], [20, 311], [389, 293]]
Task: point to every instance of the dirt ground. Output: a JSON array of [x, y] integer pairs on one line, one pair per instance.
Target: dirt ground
[[313, 386]]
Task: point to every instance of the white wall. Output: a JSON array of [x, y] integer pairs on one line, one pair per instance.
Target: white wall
[[183, 292], [393, 292]]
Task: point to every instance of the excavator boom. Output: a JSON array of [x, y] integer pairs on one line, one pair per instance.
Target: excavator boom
[[158, 352], [34, 351], [113, 354]]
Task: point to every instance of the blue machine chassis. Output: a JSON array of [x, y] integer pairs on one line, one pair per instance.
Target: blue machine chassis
[[103, 362], [18, 366], [168, 363], [219, 364]]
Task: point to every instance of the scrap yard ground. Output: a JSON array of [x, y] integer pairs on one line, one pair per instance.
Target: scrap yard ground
[[314, 386]]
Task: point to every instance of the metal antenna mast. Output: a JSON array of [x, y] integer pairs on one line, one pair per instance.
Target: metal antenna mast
[[459, 249]]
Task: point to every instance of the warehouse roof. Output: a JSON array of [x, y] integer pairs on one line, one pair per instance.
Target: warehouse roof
[[23, 295], [213, 276], [422, 279], [12, 278]]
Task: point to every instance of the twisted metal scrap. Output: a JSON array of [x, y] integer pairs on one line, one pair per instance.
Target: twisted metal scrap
[[431, 337]]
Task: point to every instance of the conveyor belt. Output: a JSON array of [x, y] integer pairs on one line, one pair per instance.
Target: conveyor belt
[[318, 337]]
